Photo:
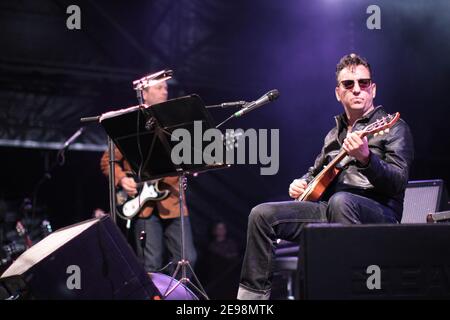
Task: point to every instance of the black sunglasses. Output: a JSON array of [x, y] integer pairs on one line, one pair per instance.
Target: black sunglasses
[[363, 83]]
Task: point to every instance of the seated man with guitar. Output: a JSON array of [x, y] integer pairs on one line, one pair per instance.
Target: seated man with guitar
[[359, 177], [154, 205]]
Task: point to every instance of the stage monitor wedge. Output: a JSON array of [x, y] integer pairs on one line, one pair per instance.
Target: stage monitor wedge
[[376, 261], [88, 260]]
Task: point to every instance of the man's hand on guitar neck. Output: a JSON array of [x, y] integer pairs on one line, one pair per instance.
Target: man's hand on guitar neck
[[357, 147], [297, 187], [129, 185]]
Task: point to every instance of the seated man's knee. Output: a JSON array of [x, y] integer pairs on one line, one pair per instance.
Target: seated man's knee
[[340, 200], [340, 207], [261, 213]]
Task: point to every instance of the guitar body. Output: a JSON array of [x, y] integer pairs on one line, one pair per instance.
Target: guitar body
[[130, 206], [317, 187]]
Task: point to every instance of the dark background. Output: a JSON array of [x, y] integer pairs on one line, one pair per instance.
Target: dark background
[[223, 51]]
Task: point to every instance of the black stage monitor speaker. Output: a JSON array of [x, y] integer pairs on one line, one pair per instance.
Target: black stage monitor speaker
[[88, 260], [393, 261], [421, 198]]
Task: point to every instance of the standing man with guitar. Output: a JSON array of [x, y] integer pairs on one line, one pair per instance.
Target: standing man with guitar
[[157, 224], [364, 179]]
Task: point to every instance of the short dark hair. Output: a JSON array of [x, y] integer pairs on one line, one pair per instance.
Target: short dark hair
[[354, 60]]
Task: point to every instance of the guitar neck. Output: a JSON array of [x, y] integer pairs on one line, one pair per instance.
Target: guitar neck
[[333, 163], [341, 155]]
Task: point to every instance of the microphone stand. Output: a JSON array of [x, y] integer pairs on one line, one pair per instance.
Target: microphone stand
[[224, 121], [234, 115], [112, 180], [60, 160], [228, 104], [111, 176]]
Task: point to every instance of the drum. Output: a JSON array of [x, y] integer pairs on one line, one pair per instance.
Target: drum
[[181, 292]]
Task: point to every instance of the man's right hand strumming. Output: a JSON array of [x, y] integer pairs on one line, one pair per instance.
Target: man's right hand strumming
[[297, 187], [129, 185]]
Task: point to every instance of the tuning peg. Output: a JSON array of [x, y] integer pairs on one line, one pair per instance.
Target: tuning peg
[[386, 130], [375, 134]]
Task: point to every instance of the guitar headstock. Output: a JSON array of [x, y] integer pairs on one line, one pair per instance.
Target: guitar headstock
[[381, 125], [231, 138]]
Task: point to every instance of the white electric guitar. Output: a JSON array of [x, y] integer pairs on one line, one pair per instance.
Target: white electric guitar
[[147, 191]]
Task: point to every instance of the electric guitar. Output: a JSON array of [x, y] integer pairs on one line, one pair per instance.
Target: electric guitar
[[323, 179], [128, 206]]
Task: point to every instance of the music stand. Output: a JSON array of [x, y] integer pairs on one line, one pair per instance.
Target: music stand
[[143, 135]]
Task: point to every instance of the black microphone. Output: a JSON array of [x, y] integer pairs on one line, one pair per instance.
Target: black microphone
[[268, 97]]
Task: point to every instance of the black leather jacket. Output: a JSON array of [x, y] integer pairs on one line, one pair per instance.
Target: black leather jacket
[[385, 177]]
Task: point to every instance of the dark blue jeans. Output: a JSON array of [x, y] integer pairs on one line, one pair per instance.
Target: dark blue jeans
[[285, 220], [161, 234]]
